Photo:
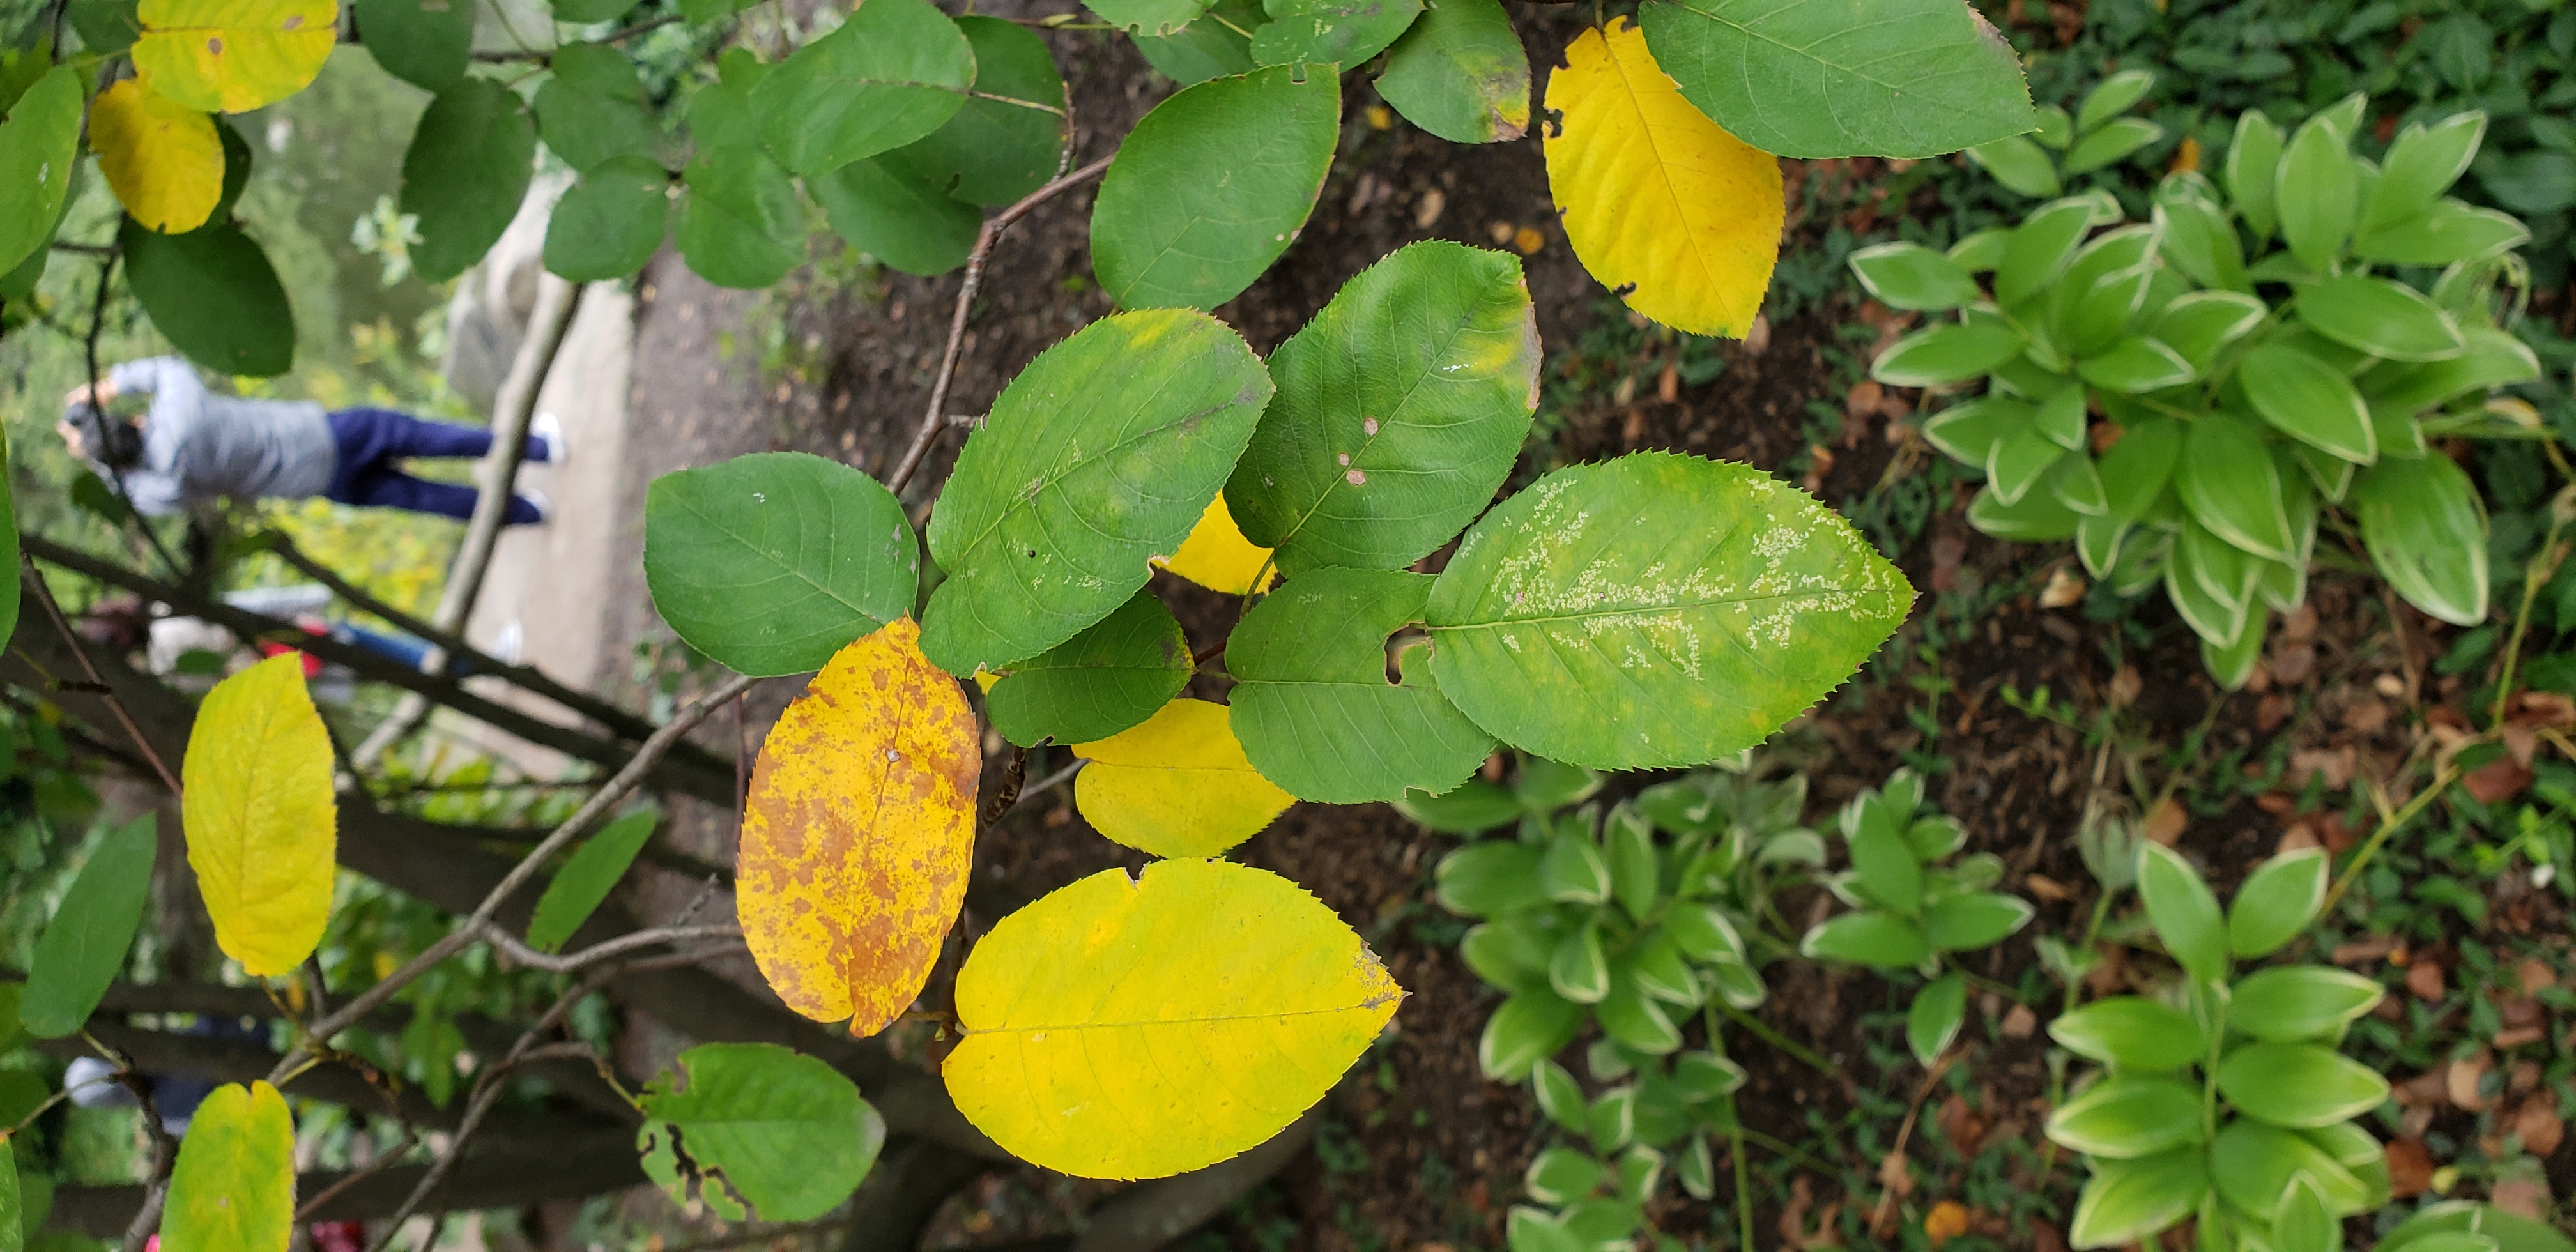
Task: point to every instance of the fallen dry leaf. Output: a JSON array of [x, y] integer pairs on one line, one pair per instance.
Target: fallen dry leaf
[[1947, 1221], [2125, 686], [2365, 715], [2410, 1168], [2424, 978], [2364, 951], [1895, 1175], [2462, 1079], [2535, 976], [2523, 1191], [2294, 663], [2538, 1125], [2271, 711], [2020, 1022], [2065, 588], [2497, 780], [2166, 823], [2047, 889], [1947, 552]]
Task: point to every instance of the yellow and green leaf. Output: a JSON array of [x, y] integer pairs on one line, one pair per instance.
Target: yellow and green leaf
[[163, 158], [1178, 785], [1217, 556], [233, 1189], [232, 56], [261, 822]]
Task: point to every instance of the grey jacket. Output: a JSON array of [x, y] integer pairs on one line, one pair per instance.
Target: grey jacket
[[199, 446]]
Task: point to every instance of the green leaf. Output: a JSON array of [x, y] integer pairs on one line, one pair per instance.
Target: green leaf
[[1932, 1021], [465, 173], [1511, 954], [584, 12], [2303, 1225], [594, 109], [1545, 786], [1103, 452], [2308, 400], [1312, 704], [2253, 1163], [2197, 236], [2298, 1085], [1561, 1175], [1149, 17], [2130, 1201], [212, 294], [9, 597], [1164, 234], [1971, 431], [2131, 1033], [2038, 518], [1655, 610], [106, 27], [1401, 407], [1578, 971], [1910, 276], [1964, 923], [2182, 910], [2018, 164], [1216, 48], [582, 885], [426, 43], [1634, 869], [2228, 481], [779, 1129], [1573, 871], [1330, 32], [2298, 1003], [1883, 865], [1883, 940], [2509, 1232], [1473, 808], [2421, 164], [897, 219], [1005, 142], [2114, 141], [772, 562], [2444, 234], [1559, 1096], [2426, 531], [1703, 931], [2318, 194], [1460, 73], [1110, 677], [1804, 78], [84, 946], [1527, 1029], [893, 73], [609, 224], [2019, 463], [1946, 353], [2276, 902], [2379, 317], [2493, 358], [233, 1186], [1489, 879], [741, 225], [2135, 365], [2126, 1116], [2253, 163], [39, 145], [2040, 249], [2111, 97], [1635, 1021], [13, 1218], [2197, 325]]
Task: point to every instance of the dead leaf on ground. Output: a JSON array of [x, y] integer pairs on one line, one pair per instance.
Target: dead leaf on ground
[[2020, 1023], [2368, 951], [1947, 552], [2522, 1191], [2424, 978], [1895, 1175], [2166, 823], [2538, 1125], [2535, 976], [2065, 588], [2125, 686], [2410, 1168], [2462, 1079], [2496, 781], [1947, 1221], [2047, 889]]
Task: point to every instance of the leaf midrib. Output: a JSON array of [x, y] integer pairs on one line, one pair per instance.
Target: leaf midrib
[[1203, 1019], [798, 574]]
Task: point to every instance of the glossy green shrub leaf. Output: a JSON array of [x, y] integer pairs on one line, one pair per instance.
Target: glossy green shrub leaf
[[2197, 235], [1149, 17], [2317, 192], [1946, 354], [2018, 164], [2297, 1003], [2113, 96], [2037, 518], [1005, 141], [426, 43], [2302, 1224], [587, 877], [741, 225], [212, 294], [1312, 704], [13, 1217], [1976, 919], [1579, 970], [1401, 408], [2308, 400], [233, 1188], [2137, 364], [1473, 808], [1510, 954], [1655, 610], [2252, 1164], [2040, 249], [1970, 432], [1164, 234], [2252, 166], [1561, 1175], [2493, 358], [1204, 50], [1884, 868], [1102, 453], [1932, 1020], [1573, 871], [2131, 1033], [2199, 324], [39, 145], [2276, 902], [1544, 785], [2296, 1085], [83, 948], [2183, 911], [2127, 1116], [1635, 1021], [465, 173], [2446, 233], [2113, 142], [1635, 871], [2420, 165], [2382, 318], [896, 218], [2510, 1232], [893, 73], [1528, 1028], [758, 1124], [609, 224], [772, 562], [1911, 276], [594, 108], [1330, 32], [1804, 78], [1112, 676], [2227, 480], [2128, 1201], [1560, 1097], [1489, 879], [1460, 73], [1703, 931], [2425, 529], [1873, 938]]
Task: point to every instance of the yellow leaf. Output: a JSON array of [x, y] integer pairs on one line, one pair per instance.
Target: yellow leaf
[[232, 56], [1177, 785], [261, 823], [859, 832], [1217, 556], [1656, 196], [233, 1188], [1140, 1027], [162, 157]]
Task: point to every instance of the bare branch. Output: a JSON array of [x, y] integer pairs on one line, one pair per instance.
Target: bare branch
[[71, 640], [511, 946]]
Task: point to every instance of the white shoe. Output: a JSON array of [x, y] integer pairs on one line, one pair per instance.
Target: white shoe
[[545, 506], [548, 433]]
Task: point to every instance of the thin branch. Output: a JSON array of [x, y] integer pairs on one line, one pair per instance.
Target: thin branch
[[520, 875], [71, 639], [1049, 783], [934, 419], [165, 1150], [384, 1160], [547, 54], [519, 952]]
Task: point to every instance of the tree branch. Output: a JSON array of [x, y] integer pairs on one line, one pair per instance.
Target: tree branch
[[29, 575]]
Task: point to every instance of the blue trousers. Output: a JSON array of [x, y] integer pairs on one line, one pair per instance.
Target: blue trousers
[[371, 441]]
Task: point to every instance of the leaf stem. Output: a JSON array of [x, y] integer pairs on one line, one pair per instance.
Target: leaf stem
[[2389, 822], [1776, 1039]]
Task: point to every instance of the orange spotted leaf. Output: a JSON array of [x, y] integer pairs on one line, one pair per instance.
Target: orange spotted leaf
[[859, 831]]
